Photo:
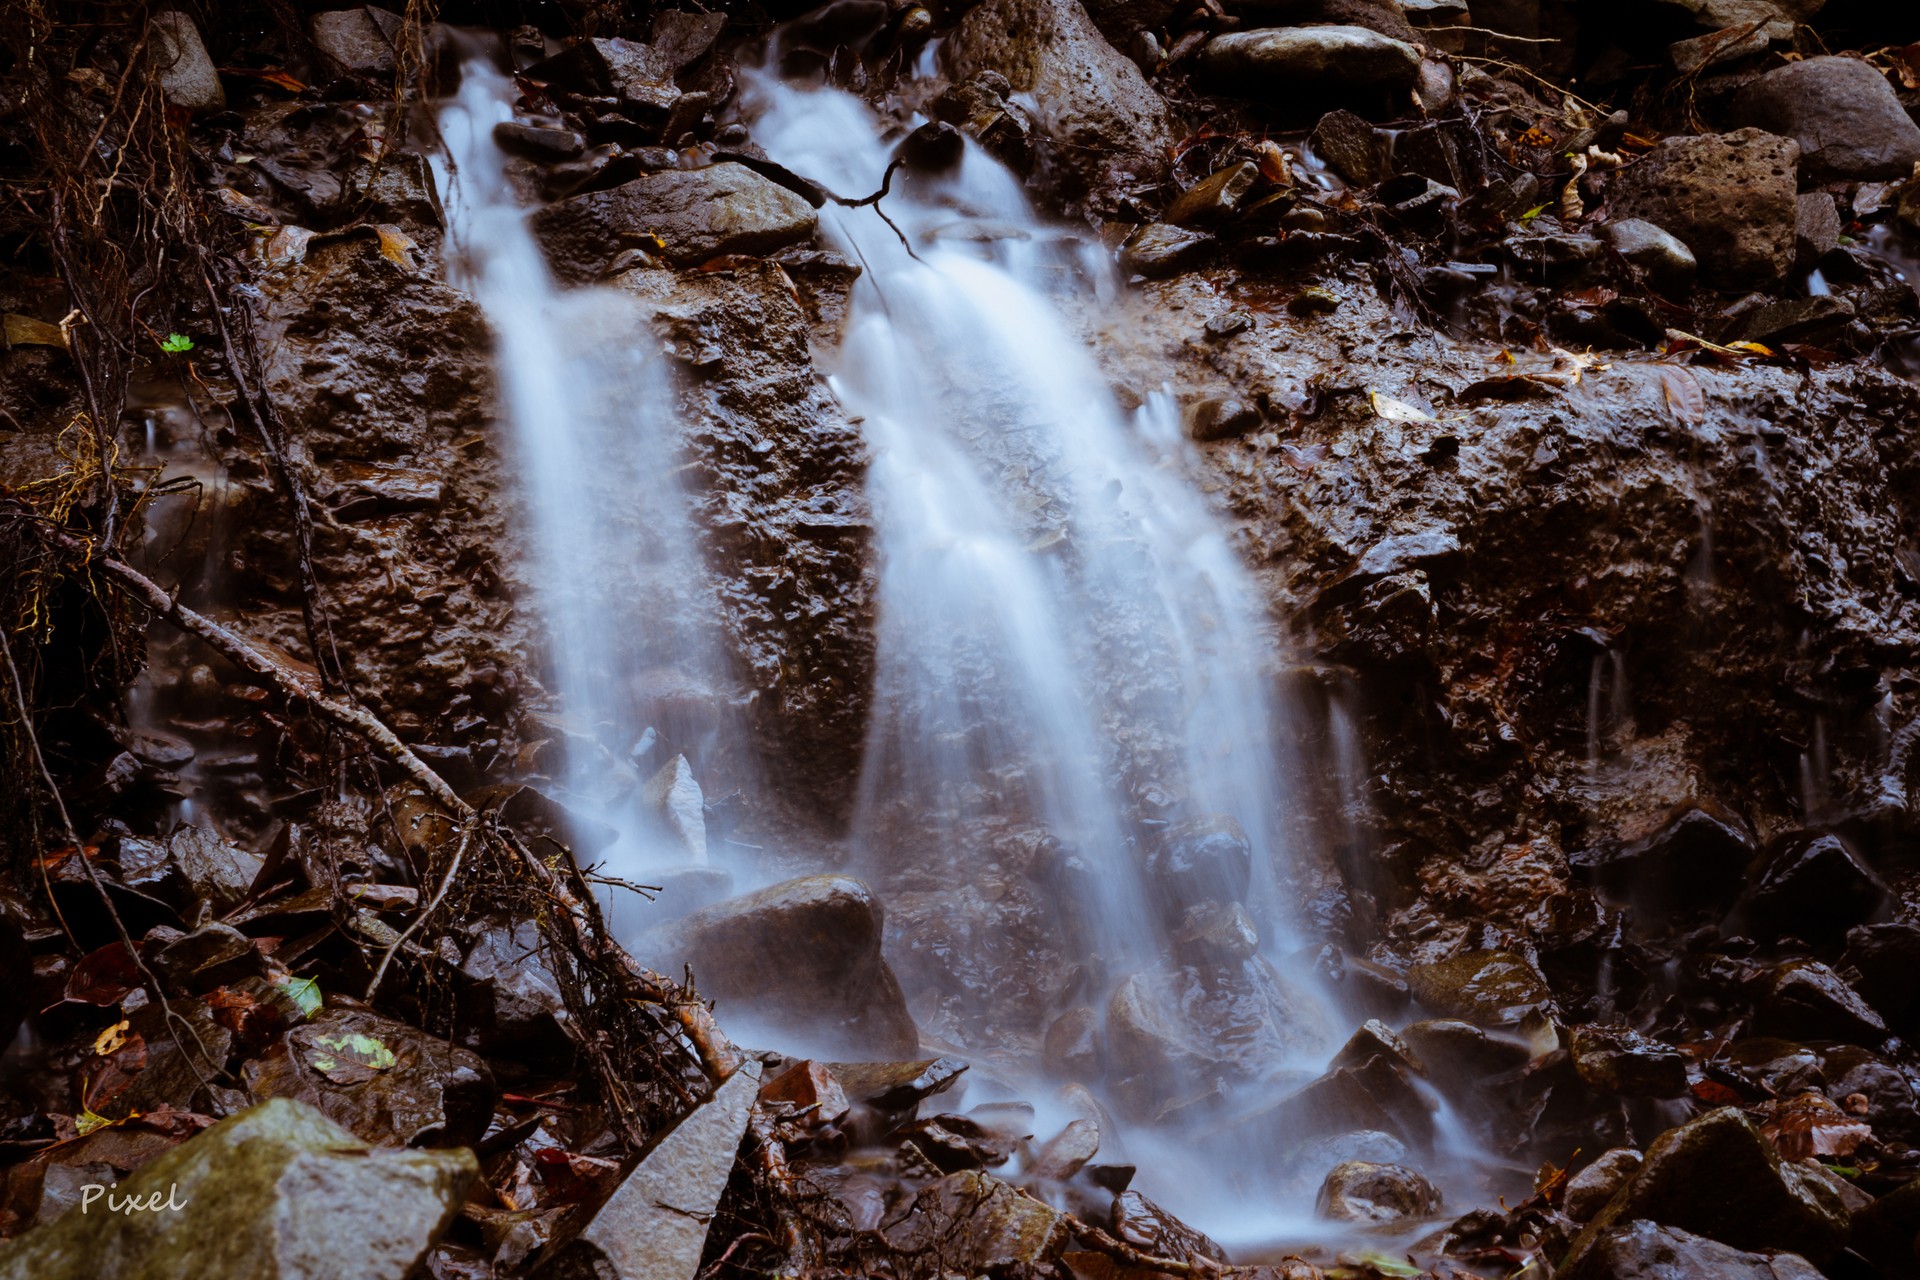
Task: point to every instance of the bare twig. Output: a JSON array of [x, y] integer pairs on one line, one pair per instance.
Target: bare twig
[[440, 896]]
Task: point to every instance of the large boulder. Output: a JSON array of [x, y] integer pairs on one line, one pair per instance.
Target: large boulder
[[803, 956], [1842, 112], [1283, 62], [1646, 1251], [1719, 1177], [685, 215], [1103, 128], [1732, 198], [277, 1192]]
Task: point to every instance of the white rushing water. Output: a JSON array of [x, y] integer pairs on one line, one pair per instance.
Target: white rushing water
[[1065, 629], [616, 565]]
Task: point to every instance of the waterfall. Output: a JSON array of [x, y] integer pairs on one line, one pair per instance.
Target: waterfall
[[616, 567], [1065, 632]]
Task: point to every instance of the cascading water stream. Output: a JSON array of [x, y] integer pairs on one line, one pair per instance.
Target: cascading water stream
[[615, 562], [1066, 634]]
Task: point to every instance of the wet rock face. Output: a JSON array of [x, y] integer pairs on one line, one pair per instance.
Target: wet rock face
[[1104, 131], [376, 368], [1841, 111], [777, 476], [278, 1192], [686, 215], [1730, 197]]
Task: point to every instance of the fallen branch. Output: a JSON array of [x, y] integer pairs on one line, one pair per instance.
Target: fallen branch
[[717, 1054]]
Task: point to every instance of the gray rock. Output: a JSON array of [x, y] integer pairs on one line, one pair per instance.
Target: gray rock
[[1203, 860], [1283, 62], [803, 955], [277, 1192], [1214, 198], [1619, 1061], [654, 1226], [1073, 1047], [1216, 933], [979, 1225], [1487, 988], [675, 801], [1103, 129], [1819, 319], [1806, 1000], [1669, 265], [1816, 229], [685, 215], [516, 1003], [361, 40], [1729, 44], [1842, 112], [1815, 885], [1589, 1190], [1352, 148], [1732, 198], [185, 69], [1360, 1191], [1176, 1031], [1717, 1176], [1158, 249], [1068, 1151], [212, 866], [538, 143], [1646, 1251], [1146, 1226]]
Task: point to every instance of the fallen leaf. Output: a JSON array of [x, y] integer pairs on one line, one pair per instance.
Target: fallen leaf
[[28, 332], [270, 75], [1509, 387], [111, 1039], [396, 246], [286, 247], [1398, 410], [349, 1059], [1684, 396], [1273, 163], [302, 993], [1811, 1124], [103, 977]]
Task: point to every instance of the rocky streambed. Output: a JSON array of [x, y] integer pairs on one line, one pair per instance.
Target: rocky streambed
[[1545, 364]]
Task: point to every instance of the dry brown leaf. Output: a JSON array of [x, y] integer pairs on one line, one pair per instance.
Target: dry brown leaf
[[396, 246], [1684, 395], [26, 331]]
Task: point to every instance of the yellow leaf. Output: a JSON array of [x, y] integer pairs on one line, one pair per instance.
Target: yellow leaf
[[110, 1040], [396, 246], [88, 1120], [25, 330]]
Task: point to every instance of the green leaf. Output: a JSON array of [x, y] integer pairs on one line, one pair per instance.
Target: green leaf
[[177, 344], [302, 993], [1534, 212]]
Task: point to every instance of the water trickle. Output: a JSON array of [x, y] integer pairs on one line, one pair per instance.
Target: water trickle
[[615, 563]]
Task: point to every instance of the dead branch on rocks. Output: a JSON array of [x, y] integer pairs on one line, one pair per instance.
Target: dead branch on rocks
[[574, 913]]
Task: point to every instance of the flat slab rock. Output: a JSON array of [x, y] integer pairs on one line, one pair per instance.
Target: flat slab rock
[[655, 1226], [278, 1192], [1282, 61], [684, 215]]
